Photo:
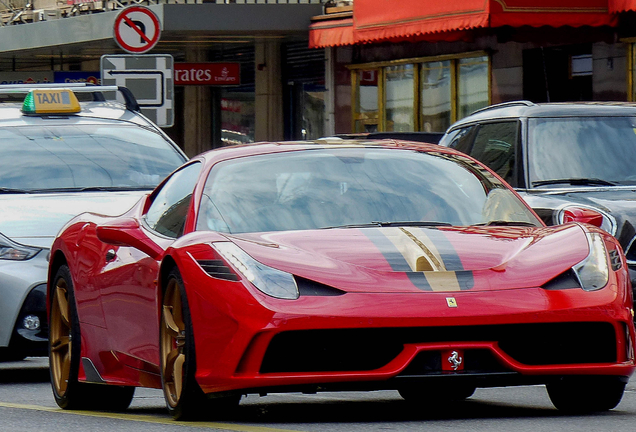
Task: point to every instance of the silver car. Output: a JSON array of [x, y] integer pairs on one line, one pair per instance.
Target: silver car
[[63, 152]]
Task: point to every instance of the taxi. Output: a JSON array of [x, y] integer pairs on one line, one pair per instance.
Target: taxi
[[64, 150]]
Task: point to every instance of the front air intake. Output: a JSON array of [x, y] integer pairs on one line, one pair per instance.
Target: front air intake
[[218, 269]]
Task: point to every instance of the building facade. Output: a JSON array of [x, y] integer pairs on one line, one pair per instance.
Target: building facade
[[420, 65], [281, 90]]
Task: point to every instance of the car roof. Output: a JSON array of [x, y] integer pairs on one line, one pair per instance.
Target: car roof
[[94, 108], [521, 109], [100, 112], [229, 152]]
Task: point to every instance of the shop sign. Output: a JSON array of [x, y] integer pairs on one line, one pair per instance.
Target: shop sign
[[26, 77], [215, 74], [78, 77]]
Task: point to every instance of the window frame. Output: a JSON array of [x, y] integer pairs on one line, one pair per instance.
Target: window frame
[[379, 68], [160, 188]]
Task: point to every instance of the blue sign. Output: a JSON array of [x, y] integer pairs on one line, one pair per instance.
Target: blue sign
[[78, 77]]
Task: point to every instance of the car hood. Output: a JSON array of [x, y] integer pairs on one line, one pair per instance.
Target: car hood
[[410, 259], [35, 219]]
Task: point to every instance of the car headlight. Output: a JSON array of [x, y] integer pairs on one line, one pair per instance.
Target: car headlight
[[593, 271], [10, 250], [273, 282]]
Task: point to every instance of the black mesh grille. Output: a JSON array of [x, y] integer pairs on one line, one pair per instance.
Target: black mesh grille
[[218, 269], [307, 287], [368, 349]]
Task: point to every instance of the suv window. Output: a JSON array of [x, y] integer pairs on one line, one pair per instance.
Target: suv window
[[168, 211], [460, 139], [495, 146]]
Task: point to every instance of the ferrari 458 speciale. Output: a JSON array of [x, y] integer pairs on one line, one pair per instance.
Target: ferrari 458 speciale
[[335, 265]]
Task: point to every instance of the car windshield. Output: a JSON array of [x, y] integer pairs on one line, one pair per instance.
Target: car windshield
[[582, 151], [340, 187], [83, 157]]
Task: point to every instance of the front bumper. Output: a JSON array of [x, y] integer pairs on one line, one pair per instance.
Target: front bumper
[[375, 341], [23, 293]]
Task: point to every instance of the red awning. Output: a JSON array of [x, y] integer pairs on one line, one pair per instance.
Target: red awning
[[331, 33], [388, 19], [381, 20], [616, 6], [553, 13]]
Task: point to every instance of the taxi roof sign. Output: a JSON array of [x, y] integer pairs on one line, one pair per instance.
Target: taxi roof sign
[[51, 101]]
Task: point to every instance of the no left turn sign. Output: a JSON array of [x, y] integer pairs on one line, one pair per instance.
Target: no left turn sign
[[137, 29]]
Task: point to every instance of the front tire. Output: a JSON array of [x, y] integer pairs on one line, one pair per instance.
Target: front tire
[[64, 356], [586, 395], [184, 398]]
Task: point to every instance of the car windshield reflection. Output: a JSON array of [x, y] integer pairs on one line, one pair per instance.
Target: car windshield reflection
[[582, 151], [345, 187], [83, 158]]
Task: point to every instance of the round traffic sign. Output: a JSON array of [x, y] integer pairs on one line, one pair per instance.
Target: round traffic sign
[[137, 29]]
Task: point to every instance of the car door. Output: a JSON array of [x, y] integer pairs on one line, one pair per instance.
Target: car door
[[128, 284]]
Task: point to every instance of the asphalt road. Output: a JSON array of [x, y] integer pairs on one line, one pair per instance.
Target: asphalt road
[[26, 404]]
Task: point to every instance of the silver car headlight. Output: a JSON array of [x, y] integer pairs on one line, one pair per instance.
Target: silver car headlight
[[593, 271], [10, 250], [273, 282]]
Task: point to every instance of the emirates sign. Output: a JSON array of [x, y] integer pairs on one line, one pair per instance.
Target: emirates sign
[[216, 74]]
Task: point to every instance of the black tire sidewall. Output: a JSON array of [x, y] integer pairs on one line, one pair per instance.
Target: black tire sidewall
[[191, 404], [580, 395], [71, 398]]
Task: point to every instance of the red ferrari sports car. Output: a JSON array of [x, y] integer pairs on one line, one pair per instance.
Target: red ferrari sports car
[[335, 265]]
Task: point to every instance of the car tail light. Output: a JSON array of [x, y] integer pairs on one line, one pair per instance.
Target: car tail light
[[577, 214], [586, 215]]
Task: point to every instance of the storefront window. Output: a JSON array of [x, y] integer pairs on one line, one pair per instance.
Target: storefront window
[[399, 98], [237, 117], [435, 97], [313, 106], [472, 78], [425, 94], [366, 101]]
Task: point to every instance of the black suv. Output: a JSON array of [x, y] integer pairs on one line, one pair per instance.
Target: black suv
[[569, 161]]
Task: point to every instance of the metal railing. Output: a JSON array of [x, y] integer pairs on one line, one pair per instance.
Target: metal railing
[[13, 12]]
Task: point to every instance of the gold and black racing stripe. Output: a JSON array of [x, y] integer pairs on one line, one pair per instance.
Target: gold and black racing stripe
[[425, 255]]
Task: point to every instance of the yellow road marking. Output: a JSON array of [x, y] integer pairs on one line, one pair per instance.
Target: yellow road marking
[[146, 419]]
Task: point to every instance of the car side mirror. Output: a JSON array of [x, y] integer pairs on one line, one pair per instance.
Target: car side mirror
[[125, 231]]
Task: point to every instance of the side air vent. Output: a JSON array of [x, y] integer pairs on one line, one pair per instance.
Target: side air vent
[[615, 260], [218, 269], [308, 287], [565, 280]]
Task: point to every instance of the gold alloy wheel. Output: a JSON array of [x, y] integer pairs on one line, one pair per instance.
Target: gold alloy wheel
[[60, 337], [172, 343]]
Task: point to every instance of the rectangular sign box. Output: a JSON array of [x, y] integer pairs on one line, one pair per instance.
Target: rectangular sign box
[[215, 74]]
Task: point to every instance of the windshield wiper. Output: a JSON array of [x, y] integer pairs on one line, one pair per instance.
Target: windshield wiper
[[506, 223], [391, 224], [92, 189], [4, 190], [575, 182]]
